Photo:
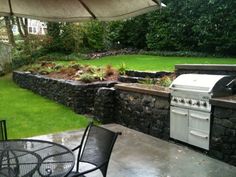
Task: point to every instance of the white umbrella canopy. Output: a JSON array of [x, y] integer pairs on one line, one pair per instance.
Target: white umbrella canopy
[[77, 10]]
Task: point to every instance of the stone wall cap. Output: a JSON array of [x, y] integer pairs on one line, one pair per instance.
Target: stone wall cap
[[213, 67], [136, 88], [71, 82], [227, 102]]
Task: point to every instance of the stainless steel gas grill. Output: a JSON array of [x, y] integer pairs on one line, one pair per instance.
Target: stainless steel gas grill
[[190, 113]]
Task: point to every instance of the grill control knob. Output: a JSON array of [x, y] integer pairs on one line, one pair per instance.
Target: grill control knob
[[189, 101], [204, 104], [182, 101], [175, 100], [198, 103]]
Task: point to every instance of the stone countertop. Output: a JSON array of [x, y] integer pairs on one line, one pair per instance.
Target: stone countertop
[[163, 92], [228, 101], [215, 67]]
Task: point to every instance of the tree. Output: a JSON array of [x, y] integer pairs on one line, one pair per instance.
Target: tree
[[22, 24], [53, 33], [202, 25], [8, 23]]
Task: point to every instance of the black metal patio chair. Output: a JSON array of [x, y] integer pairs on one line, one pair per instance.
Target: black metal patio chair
[[3, 130], [95, 148]]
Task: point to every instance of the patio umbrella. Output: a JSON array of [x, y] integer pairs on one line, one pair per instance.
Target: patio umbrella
[[77, 10]]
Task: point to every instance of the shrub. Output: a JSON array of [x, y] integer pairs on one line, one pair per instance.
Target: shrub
[[176, 53], [71, 38], [165, 81], [99, 74], [19, 61], [86, 77], [109, 70], [59, 56], [94, 35], [54, 30], [45, 71], [122, 69]]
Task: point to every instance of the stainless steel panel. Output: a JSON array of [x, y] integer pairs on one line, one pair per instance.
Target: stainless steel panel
[[195, 104], [179, 124], [199, 120], [201, 83], [198, 138]]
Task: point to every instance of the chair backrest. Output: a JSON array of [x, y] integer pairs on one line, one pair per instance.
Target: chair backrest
[[3, 130], [96, 147]]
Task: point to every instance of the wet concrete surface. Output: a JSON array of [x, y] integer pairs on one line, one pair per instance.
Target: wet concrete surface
[[139, 155]]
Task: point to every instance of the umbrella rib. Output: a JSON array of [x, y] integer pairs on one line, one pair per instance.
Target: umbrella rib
[[10, 7], [157, 2], [87, 8]]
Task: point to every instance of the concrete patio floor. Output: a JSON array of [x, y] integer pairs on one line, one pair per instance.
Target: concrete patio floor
[[139, 155]]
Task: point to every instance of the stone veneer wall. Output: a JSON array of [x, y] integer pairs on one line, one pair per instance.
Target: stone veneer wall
[[143, 111], [79, 96], [223, 134], [104, 105]]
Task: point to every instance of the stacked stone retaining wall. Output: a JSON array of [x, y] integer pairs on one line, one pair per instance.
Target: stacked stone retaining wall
[[79, 96]]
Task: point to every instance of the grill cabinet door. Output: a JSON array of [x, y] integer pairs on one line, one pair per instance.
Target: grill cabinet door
[[199, 120], [199, 129], [179, 124]]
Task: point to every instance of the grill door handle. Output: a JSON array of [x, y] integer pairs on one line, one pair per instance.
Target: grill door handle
[[180, 113], [198, 134], [199, 117]]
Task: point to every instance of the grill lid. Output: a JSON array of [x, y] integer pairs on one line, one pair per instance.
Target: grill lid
[[200, 82]]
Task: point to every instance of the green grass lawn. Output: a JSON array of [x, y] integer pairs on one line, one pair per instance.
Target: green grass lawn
[[28, 114], [154, 63]]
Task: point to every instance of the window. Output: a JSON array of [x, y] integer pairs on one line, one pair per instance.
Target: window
[[30, 29]]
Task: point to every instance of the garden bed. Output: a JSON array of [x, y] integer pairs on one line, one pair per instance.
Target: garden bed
[[74, 71]]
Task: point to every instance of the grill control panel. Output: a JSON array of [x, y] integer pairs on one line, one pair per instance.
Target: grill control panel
[[195, 104]]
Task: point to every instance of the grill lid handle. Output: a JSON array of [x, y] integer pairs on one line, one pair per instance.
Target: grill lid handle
[[230, 84]]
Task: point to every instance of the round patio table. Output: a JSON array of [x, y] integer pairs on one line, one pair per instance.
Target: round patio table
[[34, 158]]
